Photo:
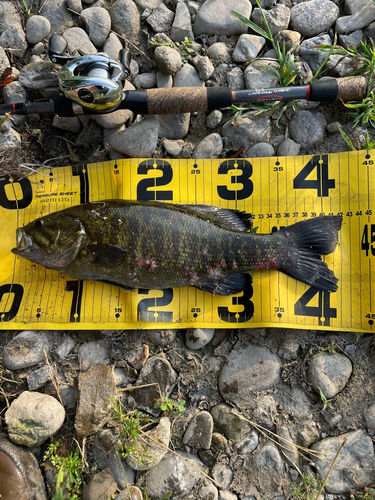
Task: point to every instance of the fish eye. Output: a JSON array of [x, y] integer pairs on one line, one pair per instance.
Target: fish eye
[[38, 224]]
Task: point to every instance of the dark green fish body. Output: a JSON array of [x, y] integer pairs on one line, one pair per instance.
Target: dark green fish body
[[157, 245]]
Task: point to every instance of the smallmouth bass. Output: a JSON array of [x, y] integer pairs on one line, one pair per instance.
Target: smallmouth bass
[[138, 244]]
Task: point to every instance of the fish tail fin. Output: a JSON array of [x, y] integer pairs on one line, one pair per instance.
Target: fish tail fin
[[306, 242]]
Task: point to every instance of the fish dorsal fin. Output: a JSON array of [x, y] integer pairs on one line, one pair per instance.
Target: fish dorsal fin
[[231, 220]]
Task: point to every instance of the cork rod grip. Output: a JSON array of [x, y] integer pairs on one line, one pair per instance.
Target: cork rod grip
[[351, 88]]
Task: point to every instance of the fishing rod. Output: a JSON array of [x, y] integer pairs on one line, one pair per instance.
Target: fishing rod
[[92, 84]]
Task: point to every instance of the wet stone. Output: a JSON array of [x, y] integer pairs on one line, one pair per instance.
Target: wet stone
[[198, 434], [26, 349], [102, 485], [33, 417], [329, 373], [94, 400]]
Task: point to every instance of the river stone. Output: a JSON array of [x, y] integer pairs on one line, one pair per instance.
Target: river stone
[[78, 39], [167, 59], [14, 39], [147, 452], [94, 353], [10, 140], [314, 57], [57, 14], [288, 148], [137, 141], [362, 14], [259, 75], [33, 417], [94, 399], [248, 368], [157, 370], [126, 19], [163, 81], [355, 466], [222, 474], [172, 126], [112, 47], [247, 48], [215, 17], [102, 486], [145, 80], [107, 454], [26, 349], [262, 149], [181, 27], [99, 30], [269, 457], [187, 76], [277, 18], [313, 17], [174, 474], [235, 79], [329, 372], [37, 28], [160, 19], [198, 434], [308, 128], [247, 131], [233, 427], [204, 66], [196, 338], [209, 148], [173, 148], [112, 120], [148, 4], [131, 493], [370, 419]]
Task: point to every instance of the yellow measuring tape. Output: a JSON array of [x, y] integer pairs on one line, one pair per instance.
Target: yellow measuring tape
[[276, 191]]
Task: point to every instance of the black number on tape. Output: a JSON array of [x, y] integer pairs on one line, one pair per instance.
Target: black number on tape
[[246, 169], [84, 187], [244, 300], [17, 290], [143, 314], [322, 183], [75, 310], [143, 192], [323, 311], [368, 238], [27, 193]]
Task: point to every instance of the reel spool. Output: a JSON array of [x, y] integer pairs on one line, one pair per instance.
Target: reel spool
[[95, 82]]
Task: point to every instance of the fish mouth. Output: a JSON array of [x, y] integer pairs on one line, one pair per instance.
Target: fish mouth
[[24, 242]]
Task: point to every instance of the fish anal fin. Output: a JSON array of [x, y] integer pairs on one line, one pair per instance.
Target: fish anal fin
[[229, 286]]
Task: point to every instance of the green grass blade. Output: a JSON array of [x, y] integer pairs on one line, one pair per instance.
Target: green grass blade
[[347, 140], [252, 25]]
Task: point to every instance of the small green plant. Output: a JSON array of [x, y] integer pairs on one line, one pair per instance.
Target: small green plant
[[71, 472], [369, 144], [367, 494], [308, 489], [26, 7], [169, 406], [331, 348], [325, 401], [184, 48]]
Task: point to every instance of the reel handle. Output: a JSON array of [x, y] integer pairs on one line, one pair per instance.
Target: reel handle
[[125, 58]]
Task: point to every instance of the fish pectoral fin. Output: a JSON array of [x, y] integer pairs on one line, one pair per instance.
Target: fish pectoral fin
[[226, 218], [103, 254], [112, 283], [229, 286]]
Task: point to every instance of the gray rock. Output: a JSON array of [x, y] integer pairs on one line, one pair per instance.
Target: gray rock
[[247, 48], [13, 92], [262, 149], [145, 80], [227, 495], [102, 485], [277, 18], [329, 372], [58, 15], [235, 79], [137, 141], [370, 419], [208, 492], [290, 39], [181, 27], [308, 128], [233, 427], [112, 47], [68, 396], [125, 18], [204, 66], [168, 60], [131, 493], [10, 140], [248, 368], [287, 441], [214, 119], [218, 52], [160, 19], [174, 474], [33, 417], [98, 31], [198, 434], [113, 120], [147, 453], [157, 370], [71, 124], [9, 16], [77, 38], [160, 338], [64, 347], [93, 399], [333, 127], [260, 75], [14, 39], [289, 348], [247, 131], [172, 126], [4, 61], [164, 81], [215, 17], [248, 444], [355, 466], [269, 457], [38, 378], [196, 338], [94, 353], [210, 147], [148, 4], [352, 40], [310, 54], [26, 349], [173, 148], [187, 76], [76, 5], [37, 28], [340, 67], [362, 14], [288, 148], [313, 17], [222, 474]]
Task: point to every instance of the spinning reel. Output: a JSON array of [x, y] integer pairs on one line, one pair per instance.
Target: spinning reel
[[96, 81]]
